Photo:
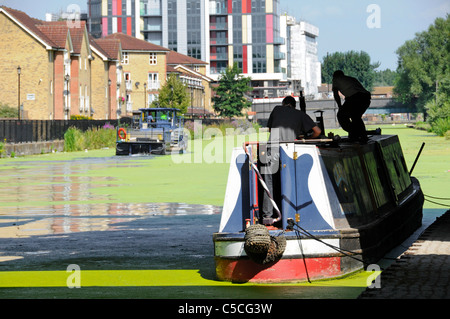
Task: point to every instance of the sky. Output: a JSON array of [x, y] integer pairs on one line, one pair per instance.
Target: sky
[[378, 27]]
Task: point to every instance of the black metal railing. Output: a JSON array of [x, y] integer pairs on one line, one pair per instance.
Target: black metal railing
[[25, 131]]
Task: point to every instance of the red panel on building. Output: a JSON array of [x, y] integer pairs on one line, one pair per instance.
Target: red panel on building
[[129, 26], [269, 28], [119, 24], [119, 7]]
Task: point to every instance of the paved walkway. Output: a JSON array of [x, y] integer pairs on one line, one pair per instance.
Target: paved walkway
[[421, 272]]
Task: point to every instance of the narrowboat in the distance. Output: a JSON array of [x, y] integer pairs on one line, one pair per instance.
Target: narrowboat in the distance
[[152, 131], [340, 206]]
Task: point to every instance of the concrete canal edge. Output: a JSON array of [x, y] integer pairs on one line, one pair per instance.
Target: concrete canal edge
[[422, 271], [21, 149]]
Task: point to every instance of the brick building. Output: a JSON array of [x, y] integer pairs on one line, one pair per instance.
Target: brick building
[[108, 86], [65, 71], [192, 72], [54, 60], [144, 68]]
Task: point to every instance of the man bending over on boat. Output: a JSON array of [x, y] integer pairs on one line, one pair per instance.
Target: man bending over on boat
[[357, 101], [285, 124]]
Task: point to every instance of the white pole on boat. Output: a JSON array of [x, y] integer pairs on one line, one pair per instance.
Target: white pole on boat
[[266, 189]]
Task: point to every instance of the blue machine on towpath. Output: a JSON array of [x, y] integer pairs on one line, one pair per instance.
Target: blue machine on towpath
[[153, 131]]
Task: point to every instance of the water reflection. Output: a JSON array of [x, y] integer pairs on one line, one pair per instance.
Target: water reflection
[[60, 182], [54, 181], [22, 222]]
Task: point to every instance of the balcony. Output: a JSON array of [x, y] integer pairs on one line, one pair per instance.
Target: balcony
[[279, 40], [129, 106], [153, 85], [214, 70], [219, 56], [218, 26], [152, 28], [218, 41], [279, 55], [151, 12]]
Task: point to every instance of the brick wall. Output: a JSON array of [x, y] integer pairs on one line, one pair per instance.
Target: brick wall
[[139, 67], [17, 47], [99, 78]]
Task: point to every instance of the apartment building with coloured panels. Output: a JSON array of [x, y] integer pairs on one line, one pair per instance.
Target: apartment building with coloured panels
[[220, 32]]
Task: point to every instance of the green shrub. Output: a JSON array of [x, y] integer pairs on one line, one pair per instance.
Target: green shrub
[[422, 126], [7, 112], [447, 135], [76, 140], [80, 117], [440, 126]]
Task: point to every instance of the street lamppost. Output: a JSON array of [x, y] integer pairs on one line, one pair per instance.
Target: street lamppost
[[19, 70], [145, 94], [109, 100]]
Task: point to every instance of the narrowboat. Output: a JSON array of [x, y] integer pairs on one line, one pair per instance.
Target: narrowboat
[[339, 206], [153, 131]]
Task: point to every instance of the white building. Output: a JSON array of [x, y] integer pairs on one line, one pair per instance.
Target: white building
[[302, 62]]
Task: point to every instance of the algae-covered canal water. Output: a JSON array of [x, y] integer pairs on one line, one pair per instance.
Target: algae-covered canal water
[[141, 226]]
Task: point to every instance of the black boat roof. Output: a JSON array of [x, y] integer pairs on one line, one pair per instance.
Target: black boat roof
[[158, 109]]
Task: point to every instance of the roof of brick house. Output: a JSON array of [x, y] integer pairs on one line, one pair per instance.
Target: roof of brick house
[[175, 58], [130, 43], [53, 33], [109, 48]]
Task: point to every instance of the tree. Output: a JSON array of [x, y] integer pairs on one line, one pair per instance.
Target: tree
[[230, 100], [352, 63], [385, 78], [423, 68], [173, 94]]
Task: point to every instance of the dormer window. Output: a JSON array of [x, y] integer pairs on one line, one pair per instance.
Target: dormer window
[[125, 58], [153, 60]]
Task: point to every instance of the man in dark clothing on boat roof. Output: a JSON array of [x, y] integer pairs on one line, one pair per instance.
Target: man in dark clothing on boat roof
[[357, 101], [285, 124]]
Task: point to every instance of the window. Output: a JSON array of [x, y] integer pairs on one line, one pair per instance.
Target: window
[[153, 82], [86, 98], [129, 103], [81, 99], [259, 67], [153, 58], [259, 52], [125, 58], [127, 76], [152, 98]]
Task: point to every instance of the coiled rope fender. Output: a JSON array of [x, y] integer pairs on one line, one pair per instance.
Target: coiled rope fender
[[261, 247]]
